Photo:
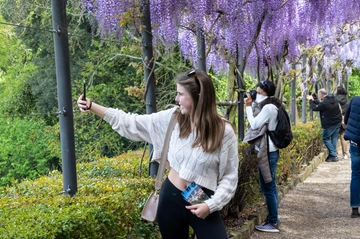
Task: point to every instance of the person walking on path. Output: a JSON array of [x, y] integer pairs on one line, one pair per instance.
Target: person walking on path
[[268, 153], [352, 133], [330, 118], [203, 149], [342, 97]]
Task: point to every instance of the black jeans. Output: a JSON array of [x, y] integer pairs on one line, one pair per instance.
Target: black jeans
[[174, 219]]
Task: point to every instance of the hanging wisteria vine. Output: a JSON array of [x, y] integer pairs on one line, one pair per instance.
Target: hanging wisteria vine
[[230, 26]]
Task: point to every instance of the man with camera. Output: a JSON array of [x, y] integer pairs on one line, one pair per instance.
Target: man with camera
[[330, 118]]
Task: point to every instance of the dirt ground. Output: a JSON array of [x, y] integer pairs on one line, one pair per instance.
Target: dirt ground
[[319, 207]]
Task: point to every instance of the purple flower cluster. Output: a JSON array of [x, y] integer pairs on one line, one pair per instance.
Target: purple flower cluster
[[239, 27]]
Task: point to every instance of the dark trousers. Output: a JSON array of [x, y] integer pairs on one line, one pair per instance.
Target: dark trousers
[[330, 137], [355, 175], [174, 219], [270, 190]]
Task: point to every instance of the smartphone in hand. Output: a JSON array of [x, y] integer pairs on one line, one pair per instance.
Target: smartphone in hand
[[84, 98]]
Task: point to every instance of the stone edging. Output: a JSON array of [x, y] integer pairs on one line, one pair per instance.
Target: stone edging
[[248, 227]]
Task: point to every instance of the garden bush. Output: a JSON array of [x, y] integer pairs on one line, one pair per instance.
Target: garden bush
[[107, 204], [112, 191], [29, 148]]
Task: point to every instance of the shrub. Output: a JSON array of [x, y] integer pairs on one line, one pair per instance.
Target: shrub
[[29, 149], [112, 192], [306, 144], [107, 205]]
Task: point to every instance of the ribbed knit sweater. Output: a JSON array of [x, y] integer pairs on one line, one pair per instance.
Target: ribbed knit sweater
[[217, 171]]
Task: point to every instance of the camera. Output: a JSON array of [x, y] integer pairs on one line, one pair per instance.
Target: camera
[[252, 94]]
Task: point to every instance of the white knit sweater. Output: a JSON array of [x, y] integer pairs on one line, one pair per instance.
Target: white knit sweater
[[267, 115], [217, 171]]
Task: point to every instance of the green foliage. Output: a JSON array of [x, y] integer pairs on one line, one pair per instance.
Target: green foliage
[[128, 164], [34, 69], [114, 74], [220, 84], [107, 205], [306, 144], [107, 81], [29, 149], [354, 83], [15, 65], [112, 192]]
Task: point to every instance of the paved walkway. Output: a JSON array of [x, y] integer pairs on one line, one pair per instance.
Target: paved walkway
[[319, 206]]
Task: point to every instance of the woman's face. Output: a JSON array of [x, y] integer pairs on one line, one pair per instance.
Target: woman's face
[[260, 91], [184, 99], [260, 95]]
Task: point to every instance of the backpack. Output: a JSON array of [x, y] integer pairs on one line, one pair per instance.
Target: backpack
[[282, 135]]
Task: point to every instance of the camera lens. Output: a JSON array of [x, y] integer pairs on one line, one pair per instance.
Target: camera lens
[[252, 94]]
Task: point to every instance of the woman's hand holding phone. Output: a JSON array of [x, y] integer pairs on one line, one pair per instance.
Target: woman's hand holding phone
[[83, 103], [84, 91]]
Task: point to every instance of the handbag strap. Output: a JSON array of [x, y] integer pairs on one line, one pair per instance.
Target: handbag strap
[[164, 153]]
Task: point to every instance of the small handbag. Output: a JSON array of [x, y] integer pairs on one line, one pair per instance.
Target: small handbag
[[150, 208]]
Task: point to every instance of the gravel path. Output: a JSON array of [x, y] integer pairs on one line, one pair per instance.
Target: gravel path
[[318, 207]]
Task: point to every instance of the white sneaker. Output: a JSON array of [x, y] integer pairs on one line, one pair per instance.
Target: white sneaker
[[345, 156]]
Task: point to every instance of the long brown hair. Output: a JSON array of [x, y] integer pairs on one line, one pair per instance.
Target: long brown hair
[[209, 125]]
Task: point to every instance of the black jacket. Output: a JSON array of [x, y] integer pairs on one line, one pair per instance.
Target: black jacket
[[329, 109], [352, 121], [344, 102]]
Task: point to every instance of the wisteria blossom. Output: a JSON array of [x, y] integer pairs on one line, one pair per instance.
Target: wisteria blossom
[[235, 28]]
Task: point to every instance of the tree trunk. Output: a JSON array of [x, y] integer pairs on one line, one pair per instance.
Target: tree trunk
[[149, 77]]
